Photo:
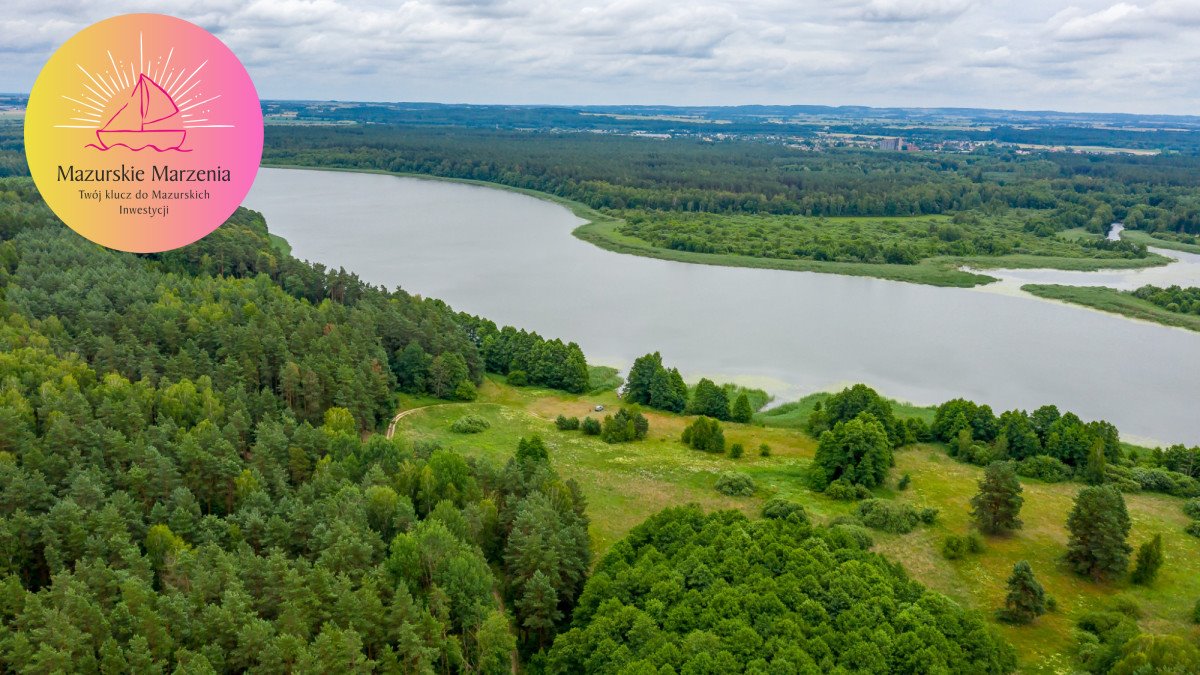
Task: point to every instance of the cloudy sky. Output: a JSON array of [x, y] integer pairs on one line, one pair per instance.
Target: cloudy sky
[[1077, 55]]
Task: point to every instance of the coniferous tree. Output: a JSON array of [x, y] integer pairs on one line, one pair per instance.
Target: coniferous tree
[[1026, 599], [1099, 526], [709, 400], [640, 381], [741, 411], [1149, 561], [705, 434], [996, 507]]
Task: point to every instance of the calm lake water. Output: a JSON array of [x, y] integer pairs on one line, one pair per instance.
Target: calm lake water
[[512, 258]]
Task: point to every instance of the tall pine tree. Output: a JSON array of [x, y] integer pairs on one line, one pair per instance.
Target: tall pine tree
[[1026, 599], [1099, 526], [996, 508]]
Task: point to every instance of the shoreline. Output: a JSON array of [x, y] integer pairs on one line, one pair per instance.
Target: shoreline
[[944, 272], [1115, 302], [781, 395]]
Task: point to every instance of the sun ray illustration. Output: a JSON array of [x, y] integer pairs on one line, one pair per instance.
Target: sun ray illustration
[[202, 102], [97, 94], [120, 75], [184, 92], [189, 77], [165, 64], [94, 81], [144, 107], [82, 103]]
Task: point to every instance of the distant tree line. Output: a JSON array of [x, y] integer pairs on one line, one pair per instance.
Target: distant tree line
[[688, 175]]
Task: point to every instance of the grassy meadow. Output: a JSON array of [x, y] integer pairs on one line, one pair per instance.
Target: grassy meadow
[[625, 483], [1115, 302]]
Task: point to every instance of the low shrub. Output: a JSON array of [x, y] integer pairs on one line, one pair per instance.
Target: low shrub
[[1191, 509], [1193, 528], [1043, 467], [782, 509], [843, 490], [469, 424], [590, 426], [735, 484], [1196, 612], [928, 515], [850, 535], [517, 378], [565, 423], [764, 450], [705, 434], [465, 391], [736, 451], [956, 546], [625, 426], [902, 484], [1165, 481], [894, 517]]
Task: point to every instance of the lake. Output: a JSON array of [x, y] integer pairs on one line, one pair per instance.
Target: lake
[[512, 258]]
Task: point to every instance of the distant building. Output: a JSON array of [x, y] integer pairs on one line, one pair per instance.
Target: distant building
[[896, 145]]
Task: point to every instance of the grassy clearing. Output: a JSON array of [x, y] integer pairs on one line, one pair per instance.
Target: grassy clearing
[[1116, 302], [626, 483]]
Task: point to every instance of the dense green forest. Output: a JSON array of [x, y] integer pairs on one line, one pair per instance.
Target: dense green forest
[[693, 593], [192, 479], [189, 478], [742, 177]]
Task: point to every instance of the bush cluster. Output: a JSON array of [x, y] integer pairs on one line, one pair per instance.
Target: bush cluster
[[956, 546], [470, 424], [735, 484], [843, 490], [894, 517], [705, 434]]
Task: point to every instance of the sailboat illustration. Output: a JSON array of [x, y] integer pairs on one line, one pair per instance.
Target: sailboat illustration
[[150, 119]]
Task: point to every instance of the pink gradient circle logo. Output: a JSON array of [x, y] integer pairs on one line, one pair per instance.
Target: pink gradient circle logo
[[143, 132]]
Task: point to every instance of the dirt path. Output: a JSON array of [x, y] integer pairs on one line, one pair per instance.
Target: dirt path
[[391, 431], [513, 655]]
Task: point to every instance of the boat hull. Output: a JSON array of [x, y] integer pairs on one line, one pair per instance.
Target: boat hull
[[170, 139]]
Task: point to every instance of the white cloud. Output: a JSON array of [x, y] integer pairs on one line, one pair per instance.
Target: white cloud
[[1121, 20], [1070, 54]]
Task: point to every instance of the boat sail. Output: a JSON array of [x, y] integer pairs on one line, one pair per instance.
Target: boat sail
[[149, 118]]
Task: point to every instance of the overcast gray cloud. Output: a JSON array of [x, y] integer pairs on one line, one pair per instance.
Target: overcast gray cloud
[[1097, 55]]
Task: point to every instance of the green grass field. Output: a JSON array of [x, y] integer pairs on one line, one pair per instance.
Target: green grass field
[[1113, 301], [626, 483]]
